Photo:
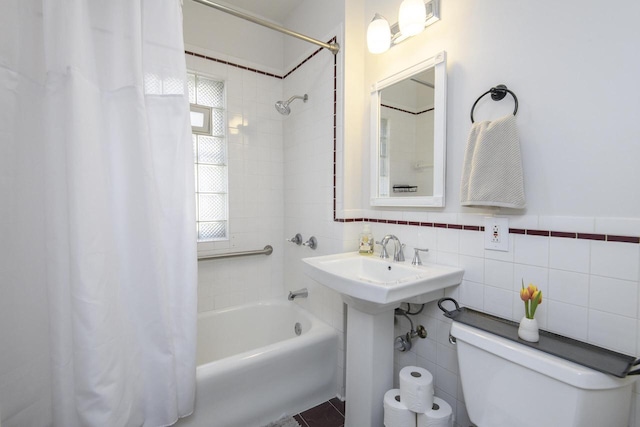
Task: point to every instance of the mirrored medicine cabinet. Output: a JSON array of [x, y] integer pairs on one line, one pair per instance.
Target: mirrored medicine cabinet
[[408, 136]]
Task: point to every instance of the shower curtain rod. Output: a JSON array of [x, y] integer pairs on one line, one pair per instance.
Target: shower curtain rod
[[333, 47]]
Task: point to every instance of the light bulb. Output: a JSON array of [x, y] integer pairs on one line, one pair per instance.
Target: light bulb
[[378, 35], [411, 17]]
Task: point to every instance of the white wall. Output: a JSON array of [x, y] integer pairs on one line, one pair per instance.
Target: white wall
[[314, 19], [580, 162], [232, 37], [565, 64]]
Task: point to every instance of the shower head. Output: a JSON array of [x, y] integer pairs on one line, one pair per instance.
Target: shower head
[[283, 106]]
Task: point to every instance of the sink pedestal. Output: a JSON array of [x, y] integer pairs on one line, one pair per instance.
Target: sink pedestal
[[372, 288], [369, 371]]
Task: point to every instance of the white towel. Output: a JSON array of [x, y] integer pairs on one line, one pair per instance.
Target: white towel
[[492, 169]]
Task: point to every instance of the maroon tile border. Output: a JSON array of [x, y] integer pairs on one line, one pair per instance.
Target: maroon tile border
[[589, 236], [255, 70], [335, 130], [308, 58], [538, 232], [520, 231], [624, 239], [232, 64], [406, 111], [564, 234]]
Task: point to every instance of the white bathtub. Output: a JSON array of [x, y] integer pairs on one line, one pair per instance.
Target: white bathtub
[[253, 368]]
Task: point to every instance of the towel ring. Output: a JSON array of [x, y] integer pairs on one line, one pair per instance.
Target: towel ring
[[497, 93]]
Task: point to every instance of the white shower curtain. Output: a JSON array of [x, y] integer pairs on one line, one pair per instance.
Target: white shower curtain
[[93, 94]]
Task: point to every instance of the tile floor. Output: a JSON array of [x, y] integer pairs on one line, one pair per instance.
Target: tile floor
[[327, 414]]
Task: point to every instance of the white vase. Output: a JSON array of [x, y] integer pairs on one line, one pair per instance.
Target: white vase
[[528, 330]]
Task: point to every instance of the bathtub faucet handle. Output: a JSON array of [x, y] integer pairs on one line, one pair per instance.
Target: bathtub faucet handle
[[312, 242], [297, 239], [300, 293]]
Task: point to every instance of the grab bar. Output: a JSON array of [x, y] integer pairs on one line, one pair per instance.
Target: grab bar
[[266, 251]]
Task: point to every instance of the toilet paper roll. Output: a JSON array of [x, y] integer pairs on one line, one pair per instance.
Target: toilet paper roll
[[440, 415], [416, 388], [396, 414]]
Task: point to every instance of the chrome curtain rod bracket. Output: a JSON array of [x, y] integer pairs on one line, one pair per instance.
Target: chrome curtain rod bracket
[[268, 250], [333, 47]]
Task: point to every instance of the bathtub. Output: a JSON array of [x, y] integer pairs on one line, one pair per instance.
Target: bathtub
[[253, 368]]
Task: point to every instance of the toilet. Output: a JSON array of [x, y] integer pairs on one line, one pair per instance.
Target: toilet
[[507, 384]]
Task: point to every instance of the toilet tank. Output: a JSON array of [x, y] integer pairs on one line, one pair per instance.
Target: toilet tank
[[506, 384]]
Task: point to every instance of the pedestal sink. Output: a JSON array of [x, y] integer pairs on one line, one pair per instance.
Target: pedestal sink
[[372, 288]]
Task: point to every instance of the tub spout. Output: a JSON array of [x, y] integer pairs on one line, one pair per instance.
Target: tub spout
[[300, 293]]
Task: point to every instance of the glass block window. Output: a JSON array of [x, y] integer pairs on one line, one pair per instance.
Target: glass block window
[[206, 96]]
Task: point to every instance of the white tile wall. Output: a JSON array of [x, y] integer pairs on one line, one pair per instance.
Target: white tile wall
[[612, 259], [281, 180], [590, 288], [256, 190], [498, 274], [568, 319], [308, 187], [569, 254], [568, 287], [531, 250], [613, 331]]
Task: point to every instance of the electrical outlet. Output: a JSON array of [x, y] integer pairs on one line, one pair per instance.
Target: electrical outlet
[[496, 234]]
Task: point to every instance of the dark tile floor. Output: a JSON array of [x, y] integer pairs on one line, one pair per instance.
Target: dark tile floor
[[327, 414]]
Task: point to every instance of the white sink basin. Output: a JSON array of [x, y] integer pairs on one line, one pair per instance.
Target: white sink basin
[[373, 283]]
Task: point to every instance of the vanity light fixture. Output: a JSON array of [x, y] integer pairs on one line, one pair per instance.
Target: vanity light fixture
[[413, 17], [378, 34]]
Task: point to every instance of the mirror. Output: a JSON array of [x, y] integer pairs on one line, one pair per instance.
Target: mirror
[[408, 143]]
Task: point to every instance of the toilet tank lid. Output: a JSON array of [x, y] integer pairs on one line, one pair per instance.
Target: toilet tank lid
[[585, 354], [562, 370]]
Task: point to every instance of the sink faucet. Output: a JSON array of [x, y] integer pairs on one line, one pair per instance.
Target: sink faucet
[[398, 254]]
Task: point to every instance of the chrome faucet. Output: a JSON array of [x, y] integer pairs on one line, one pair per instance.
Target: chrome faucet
[[300, 293], [398, 254]]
